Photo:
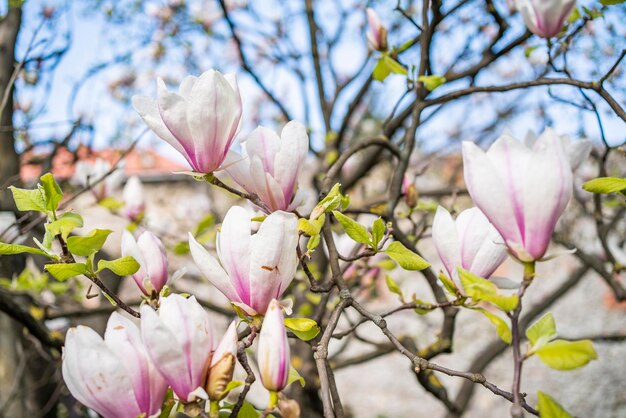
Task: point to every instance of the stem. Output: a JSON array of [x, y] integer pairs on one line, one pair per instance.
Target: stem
[[210, 178], [518, 360], [214, 412]]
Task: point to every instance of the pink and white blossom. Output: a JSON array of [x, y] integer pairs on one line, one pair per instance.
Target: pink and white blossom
[[545, 18], [271, 165], [273, 355], [523, 191], [377, 33], [134, 201], [470, 242], [114, 376], [149, 252], [200, 121], [252, 269], [179, 340]]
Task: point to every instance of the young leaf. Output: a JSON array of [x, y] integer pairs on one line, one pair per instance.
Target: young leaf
[[355, 230], [124, 266], [393, 287], [63, 272], [605, 185], [295, 376], [12, 249], [567, 355], [304, 328], [407, 259], [87, 244], [431, 82], [26, 200], [482, 289], [549, 408], [51, 191], [502, 328], [448, 283], [541, 332], [378, 232], [65, 224], [111, 203], [314, 241], [381, 70]]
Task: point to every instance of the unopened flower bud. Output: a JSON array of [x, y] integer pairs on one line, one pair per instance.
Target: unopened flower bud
[[222, 364], [409, 191], [377, 34]]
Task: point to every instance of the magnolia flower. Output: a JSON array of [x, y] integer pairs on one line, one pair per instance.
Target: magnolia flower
[[273, 355], [523, 191], [377, 33], [254, 268], [223, 364], [545, 18], [134, 202], [98, 176], [114, 376], [271, 165], [200, 121], [470, 242], [149, 252], [179, 340], [576, 151]]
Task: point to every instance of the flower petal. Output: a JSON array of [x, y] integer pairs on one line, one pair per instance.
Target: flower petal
[[446, 240], [233, 249], [212, 270]]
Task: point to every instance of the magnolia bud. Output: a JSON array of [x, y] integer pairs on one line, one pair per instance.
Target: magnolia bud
[[222, 364], [410, 192], [377, 34]]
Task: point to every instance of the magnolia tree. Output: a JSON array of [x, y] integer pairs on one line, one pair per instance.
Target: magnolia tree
[[300, 247]]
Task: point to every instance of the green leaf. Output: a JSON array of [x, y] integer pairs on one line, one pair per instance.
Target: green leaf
[[332, 201], [448, 283], [605, 185], [314, 241], [26, 200], [124, 266], [407, 259], [566, 355], [502, 328], [394, 66], [549, 408], [63, 271], [231, 385], [205, 223], [482, 289], [381, 71], [541, 332], [385, 66], [311, 227], [386, 264], [431, 82], [65, 224], [378, 232], [393, 286], [51, 191], [248, 411], [355, 230], [111, 203], [304, 328], [12, 249], [611, 2], [87, 244], [295, 376]]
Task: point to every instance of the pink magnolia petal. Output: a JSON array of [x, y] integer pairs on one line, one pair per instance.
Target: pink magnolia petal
[[489, 193], [273, 355], [265, 144], [446, 240], [233, 249], [294, 145], [212, 270]]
